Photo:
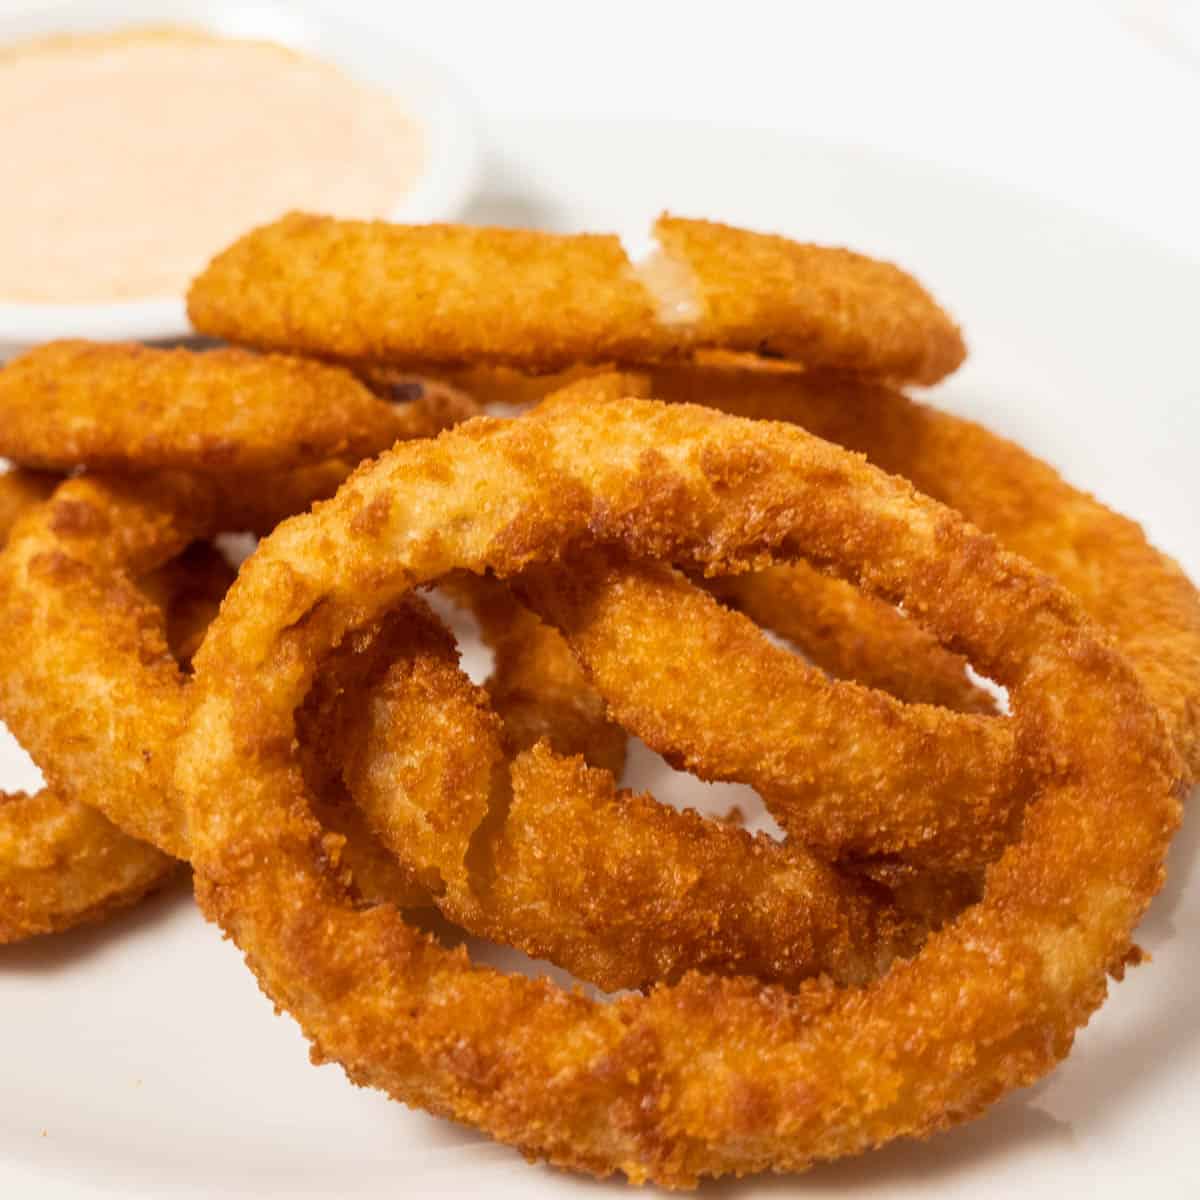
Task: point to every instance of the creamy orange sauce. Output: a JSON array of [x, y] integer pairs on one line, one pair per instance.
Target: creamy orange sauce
[[129, 159]]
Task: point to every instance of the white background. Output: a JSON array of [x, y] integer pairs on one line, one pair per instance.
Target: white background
[[1069, 99]]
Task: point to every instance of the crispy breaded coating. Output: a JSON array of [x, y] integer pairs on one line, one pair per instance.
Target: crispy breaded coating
[[78, 582], [127, 407], [765, 294], [851, 635], [368, 291], [854, 636], [61, 863], [710, 1076], [536, 687], [948, 793], [374, 873], [1132, 589], [1138, 594], [88, 572], [848, 634], [189, 589], [457, 295], [631, 893], [19, 491], [101, 714]]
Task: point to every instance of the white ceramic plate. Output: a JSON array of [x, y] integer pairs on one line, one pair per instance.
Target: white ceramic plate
[[437, 103], [141, 1060]]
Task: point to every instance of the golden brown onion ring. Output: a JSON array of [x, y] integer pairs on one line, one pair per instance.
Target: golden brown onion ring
[[711, 1075], [1137, 593], [453, 295], [63, 864], [101, 715], [682, 672], [62, 861], [536, 687], [536, 850], [128, 407]]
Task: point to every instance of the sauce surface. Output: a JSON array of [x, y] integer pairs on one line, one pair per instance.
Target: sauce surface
[[130, 158]]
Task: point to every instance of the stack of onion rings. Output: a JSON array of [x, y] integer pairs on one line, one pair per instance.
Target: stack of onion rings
[[958, 876], [103, 552], [710, 1075]]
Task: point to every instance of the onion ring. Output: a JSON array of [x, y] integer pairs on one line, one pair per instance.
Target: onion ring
[[128, 407], [63, 864], [809, 746], [536, 687], [814, 765], [1134, 591], [633, 892], [450, 295], [67, 579], [1138, 593], [711, 1075], [62, 860], [854, 637]]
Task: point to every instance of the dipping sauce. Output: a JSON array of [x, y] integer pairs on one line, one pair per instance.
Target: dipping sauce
[[130, 158]]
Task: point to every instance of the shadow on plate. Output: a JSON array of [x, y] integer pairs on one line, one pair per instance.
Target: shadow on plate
[[919, 1166], [60, 951], [507, 200], [1159, 925]]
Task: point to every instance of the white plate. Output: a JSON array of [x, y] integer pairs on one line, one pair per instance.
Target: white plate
[[439, 105], [141, 1060]]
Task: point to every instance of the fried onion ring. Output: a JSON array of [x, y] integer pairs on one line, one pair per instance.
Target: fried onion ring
[[115, 686], [62, 860], [711, 1075], [957, 805], [536, 687], [809, 746], [633, 892], [63, 864], [453, 295], [128, 407], [852, 636], [1137, 593]]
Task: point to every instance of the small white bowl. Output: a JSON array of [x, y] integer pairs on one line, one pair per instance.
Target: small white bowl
[[441, 107]]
